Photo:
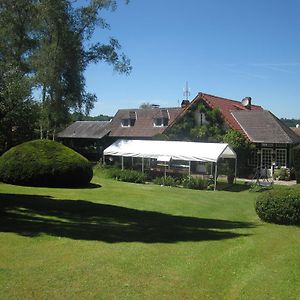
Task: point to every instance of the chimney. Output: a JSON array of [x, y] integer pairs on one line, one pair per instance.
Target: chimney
[[155, 105], [185, 103], [246, 102]]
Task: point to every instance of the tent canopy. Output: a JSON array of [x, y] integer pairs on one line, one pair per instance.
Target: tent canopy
[[188, 151]]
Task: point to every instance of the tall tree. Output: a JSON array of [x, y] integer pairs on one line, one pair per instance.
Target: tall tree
[[49, 42], [18, 112], [63, 55]]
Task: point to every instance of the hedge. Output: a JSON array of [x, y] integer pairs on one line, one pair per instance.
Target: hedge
[[281, 206], [297, 162], [44, 163]]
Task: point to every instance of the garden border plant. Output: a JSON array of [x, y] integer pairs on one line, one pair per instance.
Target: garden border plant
[[128, 175]]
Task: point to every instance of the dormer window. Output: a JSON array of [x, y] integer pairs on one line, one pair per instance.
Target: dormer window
[[162, 118], [161, 122], [125, 123], [130, 121]]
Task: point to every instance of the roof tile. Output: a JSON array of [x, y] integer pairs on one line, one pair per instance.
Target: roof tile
[[86, 129], [144, 124]]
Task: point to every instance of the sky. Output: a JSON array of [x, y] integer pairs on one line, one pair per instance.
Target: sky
[[228, 48]]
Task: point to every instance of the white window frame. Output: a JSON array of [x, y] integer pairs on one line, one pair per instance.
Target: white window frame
[[124, 125], [160, 125]]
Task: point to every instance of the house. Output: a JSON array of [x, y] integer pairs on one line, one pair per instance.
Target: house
[[272, 141], [90, 138]]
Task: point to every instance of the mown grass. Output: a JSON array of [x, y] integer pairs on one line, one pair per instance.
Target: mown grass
[[116, 240]]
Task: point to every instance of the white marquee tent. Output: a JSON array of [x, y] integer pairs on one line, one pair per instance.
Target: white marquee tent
[[175, 150]]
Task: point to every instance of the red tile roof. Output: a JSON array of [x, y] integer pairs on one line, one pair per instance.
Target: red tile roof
[[226, 106]]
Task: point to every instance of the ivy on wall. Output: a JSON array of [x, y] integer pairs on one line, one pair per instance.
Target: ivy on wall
[[242, 148], [212, 129], [187, 129]]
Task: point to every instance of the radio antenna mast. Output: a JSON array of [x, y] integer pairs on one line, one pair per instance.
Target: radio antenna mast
[[186, 91]]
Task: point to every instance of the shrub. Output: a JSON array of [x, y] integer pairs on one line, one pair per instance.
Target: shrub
[[195, 183], [44, 163], [126, 175], [297, 162], [279, 206], [168, 181], [282, 174], [292, 174]]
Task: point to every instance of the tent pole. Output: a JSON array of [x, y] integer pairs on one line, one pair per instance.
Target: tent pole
[[235, 170], [216, 172], [103, 160], [211, 168], [142, 164], [190, 169], [132, 162], [122, 163]]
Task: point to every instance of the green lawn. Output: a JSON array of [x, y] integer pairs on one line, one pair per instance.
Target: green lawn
[[118, 240]]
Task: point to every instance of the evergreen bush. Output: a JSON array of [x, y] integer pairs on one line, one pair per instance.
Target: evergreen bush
[[297, 162], [279, 206], [44, 163]]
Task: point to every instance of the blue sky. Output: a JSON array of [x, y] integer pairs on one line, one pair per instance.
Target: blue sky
[[228, 48]]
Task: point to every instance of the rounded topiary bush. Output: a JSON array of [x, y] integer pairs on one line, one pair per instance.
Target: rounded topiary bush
[[279, 206], [44, 163]]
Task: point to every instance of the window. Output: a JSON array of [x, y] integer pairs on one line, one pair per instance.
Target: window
[[203, 119], [266, 160], [252, 160], [280, 157], [126, 123], [161, 122], [158, 122], [200, 118], [130, 120]]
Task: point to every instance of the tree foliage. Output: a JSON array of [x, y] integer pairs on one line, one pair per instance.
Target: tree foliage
[[290, 122], [18, 112], [241, 146], [48, 45], [145, 105]]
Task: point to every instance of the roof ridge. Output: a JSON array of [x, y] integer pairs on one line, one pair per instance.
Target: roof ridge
[[151, 108], [227, 99], [210, 95]]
